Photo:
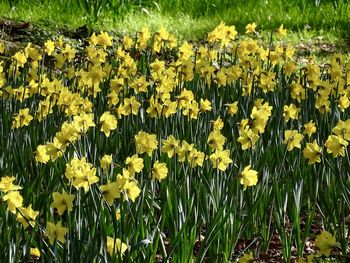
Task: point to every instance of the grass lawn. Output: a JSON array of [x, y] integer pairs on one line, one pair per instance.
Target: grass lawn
[[186, 19]]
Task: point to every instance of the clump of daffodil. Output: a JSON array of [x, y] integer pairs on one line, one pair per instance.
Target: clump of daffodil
[[251, 129], [127, 186], [69, 133], [11, 195], [81, 174], [202, 98], [222, 34]]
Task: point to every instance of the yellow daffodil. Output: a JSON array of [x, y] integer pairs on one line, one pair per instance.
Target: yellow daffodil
[[84, 121], [170, 145], [336, 145], [184, 150], [247, 258], [131, 190], [106, 161], [220, 159], [290, 112], [69, 53], [49, 47], [140, 85], [196, 158], [22, 119], [54, 149], [310, 128], [56, 232], [289, 69], [35, 252], [250, 28], [81, 174], [104, 39], [282, 31], [292, 138], [325, 242], [342, 129], [2, 47], [27, 216], [108, 123], [297, 92], [312, 152], [205, 105], [116, 246], [6, 184], [344, 102], [14, 200], [62, 202], [143, 38], [248, 177], [127, 42], [218, 124], [146, 142], [20, 58], [110, 192], [134, 164], [130, 106], [185, 51], [216, 140], [159, 171], [232, 108], [117, 214], [247, 139]]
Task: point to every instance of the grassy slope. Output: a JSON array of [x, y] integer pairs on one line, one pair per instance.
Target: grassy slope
[[192, 19]]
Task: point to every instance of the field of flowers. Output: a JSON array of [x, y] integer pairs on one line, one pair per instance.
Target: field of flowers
[[143, 149]]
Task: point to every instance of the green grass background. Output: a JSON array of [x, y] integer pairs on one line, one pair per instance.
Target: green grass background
[[186, 19]]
